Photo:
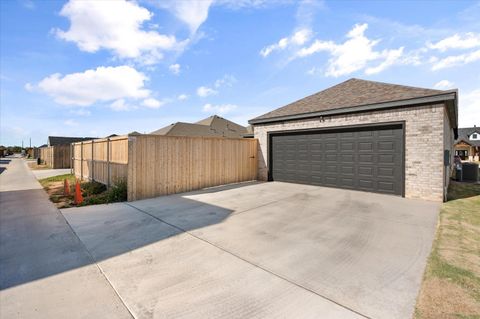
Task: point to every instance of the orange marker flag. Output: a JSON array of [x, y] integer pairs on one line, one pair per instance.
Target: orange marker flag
[[66, 187], [78, 194]]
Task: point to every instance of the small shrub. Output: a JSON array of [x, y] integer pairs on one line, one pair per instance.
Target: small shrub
[[117, 192], [93, 188], [95, 200]]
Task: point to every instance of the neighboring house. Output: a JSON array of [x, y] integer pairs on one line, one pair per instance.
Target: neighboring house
[[362, 135], [64, 140], [249, 133], [467, 145], [211, 126], [57, 152]]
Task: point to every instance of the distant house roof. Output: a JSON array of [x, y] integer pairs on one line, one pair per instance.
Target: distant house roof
[[464, 135], [352, 93], [211, 126], [62, 140]]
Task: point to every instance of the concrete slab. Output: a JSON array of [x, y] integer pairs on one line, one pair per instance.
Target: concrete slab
[[161, 271], [44, 173], [46, 272], [365, 251]]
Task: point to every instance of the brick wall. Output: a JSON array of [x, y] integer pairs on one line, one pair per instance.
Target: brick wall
[[424, 143], [448, 139]]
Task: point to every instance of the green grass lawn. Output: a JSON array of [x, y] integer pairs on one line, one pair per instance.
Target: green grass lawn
[[451, 283], [59, 178]]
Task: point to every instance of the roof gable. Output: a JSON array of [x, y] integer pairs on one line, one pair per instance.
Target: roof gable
[[351, 93], [63, 140], [211, 126], [464, 134]]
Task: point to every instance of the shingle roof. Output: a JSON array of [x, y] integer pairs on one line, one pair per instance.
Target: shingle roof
[[62, 140], [211, 126], [351, 93], [464, 134]]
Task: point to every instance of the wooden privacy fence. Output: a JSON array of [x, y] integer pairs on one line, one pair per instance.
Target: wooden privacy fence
[[156, 165], [102, 160], [57, 156]]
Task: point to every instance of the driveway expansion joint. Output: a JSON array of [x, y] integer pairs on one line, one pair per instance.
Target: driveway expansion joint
[[94, 262], [247, 261]]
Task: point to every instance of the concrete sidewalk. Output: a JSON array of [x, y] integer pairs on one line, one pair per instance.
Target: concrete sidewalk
[[46, 272]]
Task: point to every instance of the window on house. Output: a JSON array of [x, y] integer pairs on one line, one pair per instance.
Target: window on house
[[474, 135]]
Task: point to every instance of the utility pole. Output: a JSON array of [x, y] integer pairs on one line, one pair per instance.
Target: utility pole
[[30, 142]]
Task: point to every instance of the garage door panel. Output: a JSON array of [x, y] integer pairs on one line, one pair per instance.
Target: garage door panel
[[386, 158], [386, 186], [366, 158], [347, 158], [387, 172], [386, 146], [364, 146], [347, 170], [330, 180], [369, 159]]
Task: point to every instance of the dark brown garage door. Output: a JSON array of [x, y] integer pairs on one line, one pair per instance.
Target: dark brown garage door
[[367, 158]]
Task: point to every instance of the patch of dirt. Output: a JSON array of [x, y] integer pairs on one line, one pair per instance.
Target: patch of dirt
[[440, 299], [462, 258], [56, 194]]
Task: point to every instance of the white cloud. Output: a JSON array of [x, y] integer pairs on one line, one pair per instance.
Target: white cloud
[[101, 84], [390, 58], [204, 91], [313, 71], [29, 87], [444, 85], [81, 112], [152, 103], [298, 38], [220, 109], [182, 97], [454, 60], [115, 26], [354, 54], [469, 108], [193, 12], [456, 41], [120, 105], [227, 80], [175, 68]]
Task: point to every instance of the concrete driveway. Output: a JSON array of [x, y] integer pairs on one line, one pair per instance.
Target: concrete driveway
[[262, 250]]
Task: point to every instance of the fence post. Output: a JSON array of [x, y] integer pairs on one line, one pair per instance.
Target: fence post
[[81, 160], [91, 169], [71, 158], [108, 162]]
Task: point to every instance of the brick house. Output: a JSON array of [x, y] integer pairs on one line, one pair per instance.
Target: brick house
[[362, 135], [467, 145]]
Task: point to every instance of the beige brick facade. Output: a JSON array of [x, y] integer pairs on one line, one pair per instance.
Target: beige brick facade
[[427, 134]]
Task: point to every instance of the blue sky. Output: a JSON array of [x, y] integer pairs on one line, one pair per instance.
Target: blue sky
[[94, 68]]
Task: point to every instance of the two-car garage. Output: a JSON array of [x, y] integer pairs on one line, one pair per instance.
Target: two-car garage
[[362, 135], [366, 158]]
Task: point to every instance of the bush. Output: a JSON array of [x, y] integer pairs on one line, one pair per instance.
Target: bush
[[92, 188], [117, 192]]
